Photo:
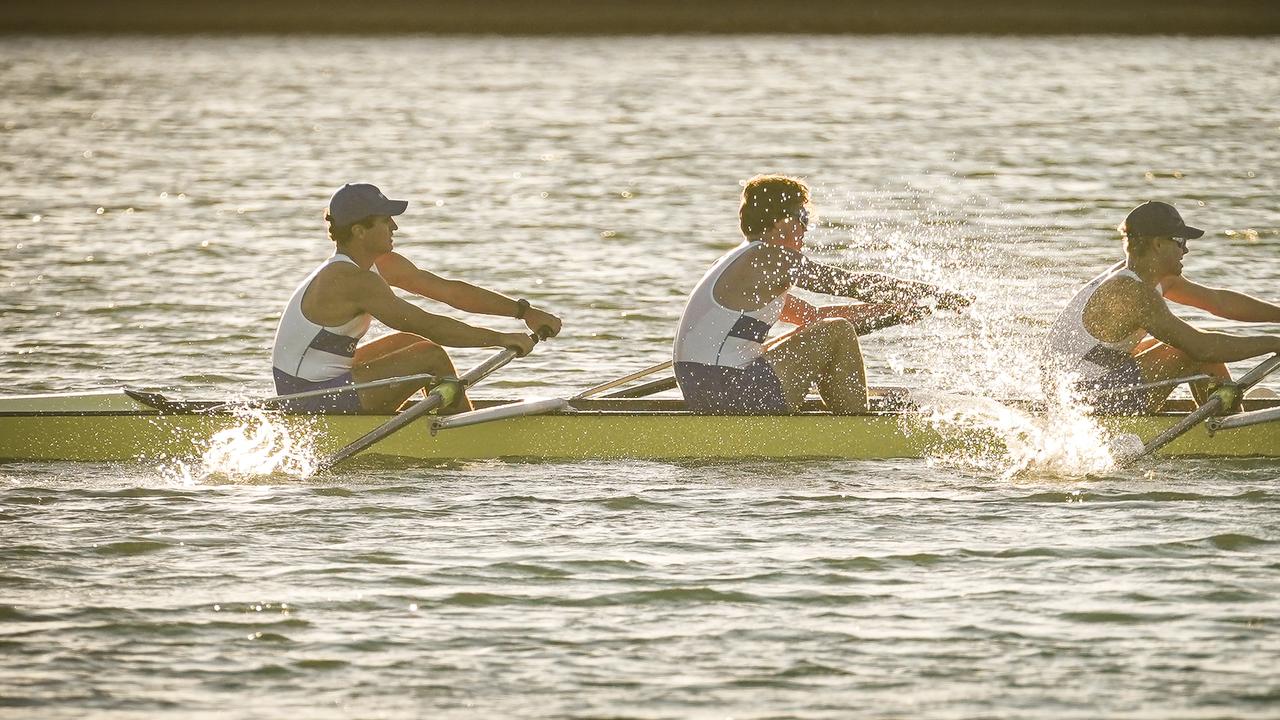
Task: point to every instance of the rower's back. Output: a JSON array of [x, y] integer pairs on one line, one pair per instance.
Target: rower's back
[[1074, 354], [711, 333]]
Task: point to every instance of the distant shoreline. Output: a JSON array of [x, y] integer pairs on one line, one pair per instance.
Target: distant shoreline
[[643, 17]]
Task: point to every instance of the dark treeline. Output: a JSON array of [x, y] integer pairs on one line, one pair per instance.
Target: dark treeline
[[553, 17]]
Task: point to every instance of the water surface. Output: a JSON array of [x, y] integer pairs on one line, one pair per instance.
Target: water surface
[[164, 197]]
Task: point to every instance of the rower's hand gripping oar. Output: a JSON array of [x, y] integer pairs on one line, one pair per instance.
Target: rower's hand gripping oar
[[1221, 399], [443, 394]]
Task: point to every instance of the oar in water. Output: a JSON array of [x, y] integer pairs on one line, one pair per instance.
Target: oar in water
[[443, 394], [1221, 399]]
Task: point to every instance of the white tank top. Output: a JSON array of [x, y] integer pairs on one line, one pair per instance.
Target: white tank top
[[712, 334], [312, 352], [1071, 348]]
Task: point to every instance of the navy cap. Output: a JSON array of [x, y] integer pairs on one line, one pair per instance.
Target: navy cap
[[1157, 219], [354, 202]]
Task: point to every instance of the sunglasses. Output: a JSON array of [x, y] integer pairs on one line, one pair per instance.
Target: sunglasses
[[1180, 242]]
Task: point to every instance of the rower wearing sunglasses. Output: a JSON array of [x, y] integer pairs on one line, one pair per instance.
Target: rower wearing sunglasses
[[1117, 337], [723, 362]]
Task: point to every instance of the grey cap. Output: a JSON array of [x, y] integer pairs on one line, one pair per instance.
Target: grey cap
[[1157, 219], [354, 202]]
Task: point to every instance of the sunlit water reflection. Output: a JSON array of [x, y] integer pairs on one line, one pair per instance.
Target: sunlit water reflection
[[163, 198]]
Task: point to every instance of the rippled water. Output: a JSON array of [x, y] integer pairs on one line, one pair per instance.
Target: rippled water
[[164, 197]]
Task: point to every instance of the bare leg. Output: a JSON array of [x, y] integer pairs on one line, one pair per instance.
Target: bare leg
[[396, 355], [825, 352], [1159, 361]]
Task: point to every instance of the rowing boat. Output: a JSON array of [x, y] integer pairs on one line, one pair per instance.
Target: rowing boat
[[112, 425]]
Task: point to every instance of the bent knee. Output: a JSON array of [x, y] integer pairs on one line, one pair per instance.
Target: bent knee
[[1171, 355], [837, 324], [401, 340], [429, 356], [839, 330], [426, 348]]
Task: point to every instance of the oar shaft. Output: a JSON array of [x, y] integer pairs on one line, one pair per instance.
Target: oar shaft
[[1148, 385], [432, 401], [621, 381], [423, 378], [1212, 406], [645, 389], [1256, 375], [1243, 419], [441, 395], [500, 412]]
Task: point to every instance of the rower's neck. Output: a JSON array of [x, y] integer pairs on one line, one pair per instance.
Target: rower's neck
[[1144, 269], [781, 241], [363, 260]]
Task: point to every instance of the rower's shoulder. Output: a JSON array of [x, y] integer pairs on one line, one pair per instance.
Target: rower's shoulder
[[338, 270], [345, 274], [1125, 287], [772, 255], [393, 261]]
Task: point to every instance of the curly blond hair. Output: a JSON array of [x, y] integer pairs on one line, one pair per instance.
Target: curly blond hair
[[769, 198]]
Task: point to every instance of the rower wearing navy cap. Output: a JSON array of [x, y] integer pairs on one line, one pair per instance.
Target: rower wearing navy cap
[[317, 341], [1118, 331]]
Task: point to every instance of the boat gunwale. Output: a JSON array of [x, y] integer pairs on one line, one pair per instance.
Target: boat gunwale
[[664, 407]]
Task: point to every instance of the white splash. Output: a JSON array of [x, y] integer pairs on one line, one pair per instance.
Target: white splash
[[1056, 438], [962, 366], [257, 446]]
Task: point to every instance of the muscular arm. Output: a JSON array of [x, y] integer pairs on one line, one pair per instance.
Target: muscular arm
[[1201, 345], [369, 294], [869, 287], [866, 317], [1224, 303], [400, 272]]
